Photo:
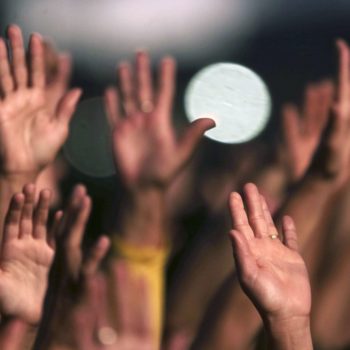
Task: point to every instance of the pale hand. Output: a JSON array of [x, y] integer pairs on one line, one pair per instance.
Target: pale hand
[[303, 129], [146, 148], [272, 273], [31, 133], [26, 256]]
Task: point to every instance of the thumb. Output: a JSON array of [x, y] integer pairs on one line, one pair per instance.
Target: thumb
[[192, 136]]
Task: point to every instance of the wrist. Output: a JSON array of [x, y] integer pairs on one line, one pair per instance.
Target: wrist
[[143, 217], [289, 333]]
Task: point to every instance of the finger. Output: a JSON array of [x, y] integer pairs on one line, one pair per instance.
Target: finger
[[77, 224], [69, 214], [111, 102], [166, 87], [41, 215], [97, 254], [343, 78], [326, 97], [291, 125], [127, 88], [192, 137], [13, 216], [6, 80], [245, 262], [26, 225], [268, 218], [144, 82], [37, 63], [255, 212], [19, 67], [238, 216], [54, 230], [290, 233], [310, 110], [64, 71], [67, 105]]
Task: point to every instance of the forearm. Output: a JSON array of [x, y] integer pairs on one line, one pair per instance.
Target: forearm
[[291, 334], [16, 335], [143, 217], [230, 324], [307, 205]]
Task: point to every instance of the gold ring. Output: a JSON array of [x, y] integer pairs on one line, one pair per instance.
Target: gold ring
[[273, 236], [146, 106], [106, 336]]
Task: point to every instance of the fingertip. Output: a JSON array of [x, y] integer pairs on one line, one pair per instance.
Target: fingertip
[[29, 189], [208, 123], [142, 54], [46, 194], [168, 60], [123, 66], [65, 57], [340, 43], [250, 187], [18, 198], [288, 222], [76, 93], [13, 29], [104, 243], [79, 189], [58, 215], [232, 234], [36, 37], [235, 197], [86, 202]]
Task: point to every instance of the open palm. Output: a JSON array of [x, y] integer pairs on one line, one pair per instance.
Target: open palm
[[273, 274], [146, 147], [25, 256], [31, 132]]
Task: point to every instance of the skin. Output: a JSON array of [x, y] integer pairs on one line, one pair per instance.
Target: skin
[[26, 256], [129, 297], [25, 260], [271, 273], [302, 129], [34, 116], [327, 175], [147, 152], [70, 270]]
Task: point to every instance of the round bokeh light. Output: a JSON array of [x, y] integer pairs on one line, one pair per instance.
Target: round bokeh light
[[232, 95], [89, 144]]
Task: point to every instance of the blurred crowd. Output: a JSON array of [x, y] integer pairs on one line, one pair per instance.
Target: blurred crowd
[[204, 246]]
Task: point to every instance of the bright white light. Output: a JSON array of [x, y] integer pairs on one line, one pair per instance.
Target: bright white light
[[97, 31], [232, 95]]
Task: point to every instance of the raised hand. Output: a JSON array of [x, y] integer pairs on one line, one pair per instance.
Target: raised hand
[[147, 150], [332, 161], [31, 130], [303, 128], [272, 272], [26, 256], [70, 269], [70, 263]]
